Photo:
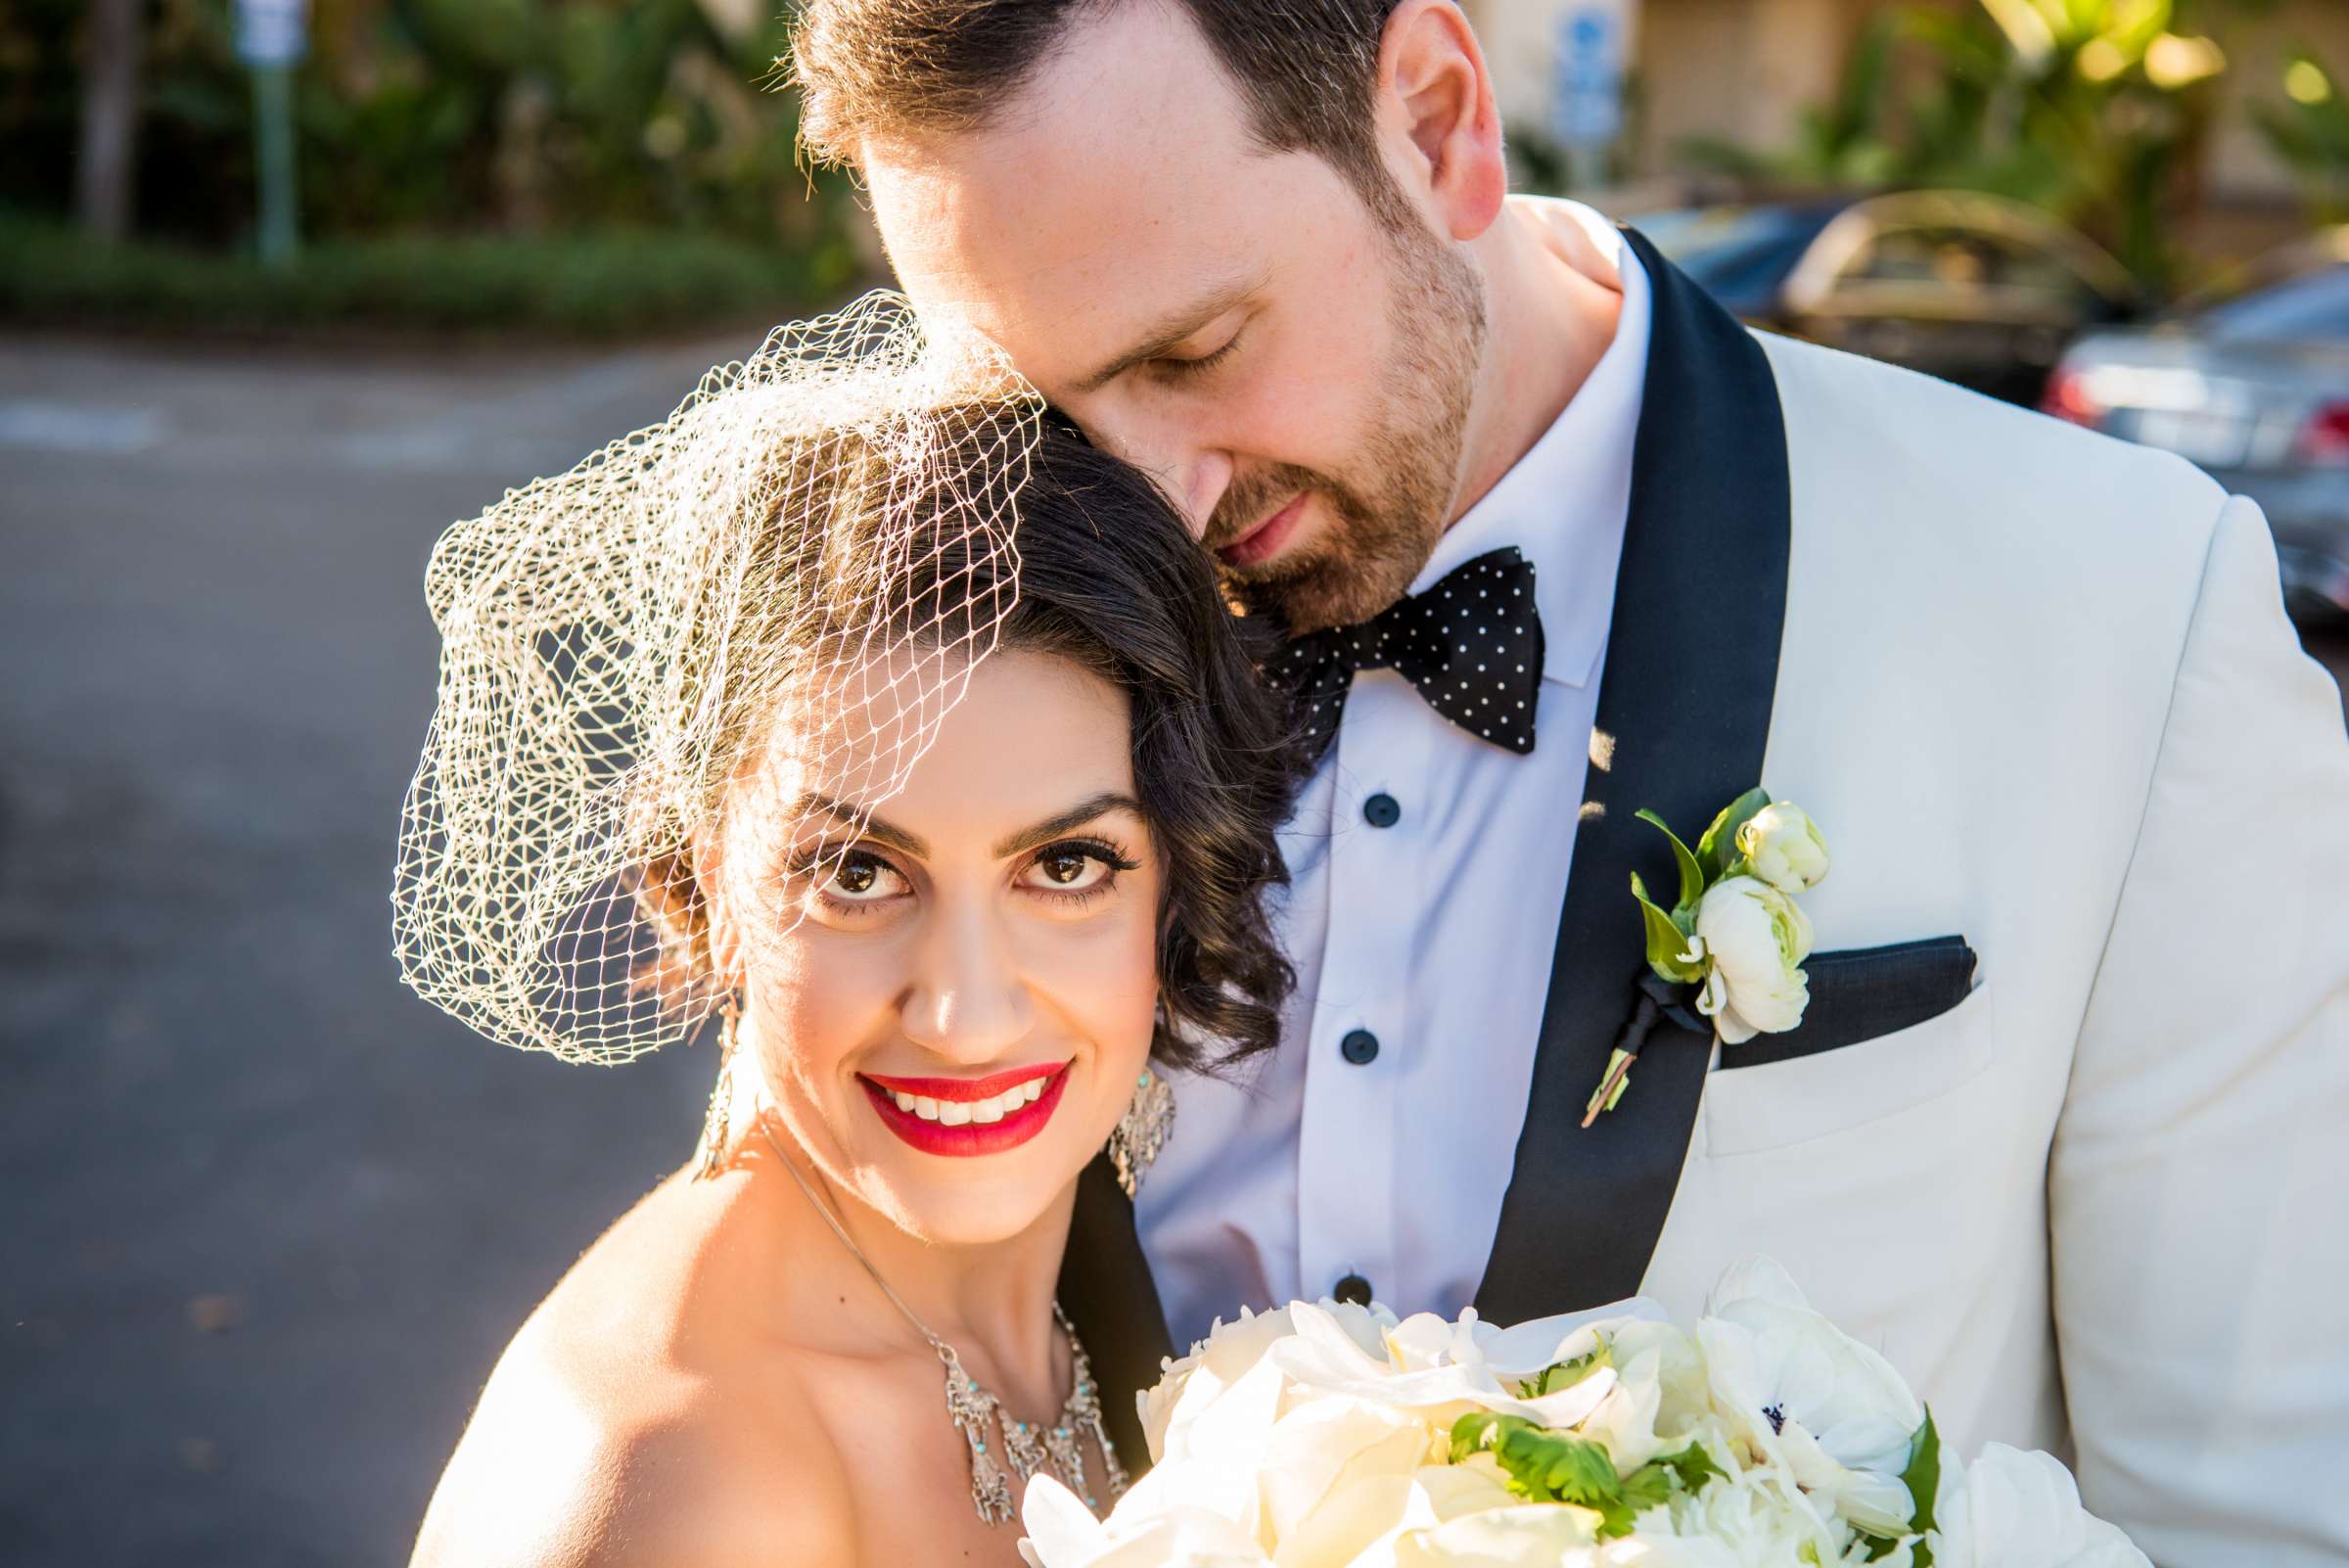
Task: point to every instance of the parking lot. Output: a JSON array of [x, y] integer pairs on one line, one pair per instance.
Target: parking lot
[[269, 1216]]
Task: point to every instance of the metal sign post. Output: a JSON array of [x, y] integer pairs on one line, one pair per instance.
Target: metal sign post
[[273, 37]]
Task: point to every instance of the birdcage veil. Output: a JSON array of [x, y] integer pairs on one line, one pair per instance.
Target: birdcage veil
[[824, 529]]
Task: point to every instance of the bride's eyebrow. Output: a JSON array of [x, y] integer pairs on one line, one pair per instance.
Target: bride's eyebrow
[[1075, 817], [1170, 331], [878, 829]]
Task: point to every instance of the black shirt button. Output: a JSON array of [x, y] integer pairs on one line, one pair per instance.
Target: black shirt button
[[1353, 1288], [1359, 1046], [1381, 811]]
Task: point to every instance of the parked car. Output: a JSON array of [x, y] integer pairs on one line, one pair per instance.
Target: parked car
[[2254, 388], [1975, 288]]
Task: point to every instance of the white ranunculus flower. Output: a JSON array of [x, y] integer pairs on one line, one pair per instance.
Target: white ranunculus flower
[[1659, 1402], [2013, 1509], [1806, 1395], [1190, 1384], [1062, 1532], [1755, 938], [1786, 847], [1542, 1534], [1325, 1448], [1438, 1375], [1752, 1518]]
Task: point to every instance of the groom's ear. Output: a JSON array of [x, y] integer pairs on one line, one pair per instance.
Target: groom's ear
[[1438, 119]]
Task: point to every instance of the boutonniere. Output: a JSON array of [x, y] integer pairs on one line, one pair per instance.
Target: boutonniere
[[1733, 943]]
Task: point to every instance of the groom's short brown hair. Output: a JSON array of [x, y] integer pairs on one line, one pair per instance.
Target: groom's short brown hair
[[1308, 69]]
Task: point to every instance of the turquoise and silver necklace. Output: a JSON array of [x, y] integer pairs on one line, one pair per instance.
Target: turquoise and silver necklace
[[1027, 1447]]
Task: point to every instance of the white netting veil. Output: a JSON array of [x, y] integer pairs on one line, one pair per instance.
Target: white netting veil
[[818, 540]]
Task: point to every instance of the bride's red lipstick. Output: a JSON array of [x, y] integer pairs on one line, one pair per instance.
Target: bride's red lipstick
[[1016, 1128]]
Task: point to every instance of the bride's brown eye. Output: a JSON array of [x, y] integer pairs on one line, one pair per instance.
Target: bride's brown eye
[[1072, 868], [859, 878]]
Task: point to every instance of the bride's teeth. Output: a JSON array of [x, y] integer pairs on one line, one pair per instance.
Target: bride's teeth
[[954, 1113], [1036, 1091], [988, 1112], [904, 1100], [926, 1109]]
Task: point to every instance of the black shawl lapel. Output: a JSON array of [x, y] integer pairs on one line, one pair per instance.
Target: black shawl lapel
[[1106, 1289], [1684, 697]]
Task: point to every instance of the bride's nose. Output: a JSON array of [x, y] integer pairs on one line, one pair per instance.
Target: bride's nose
[[967, 999]]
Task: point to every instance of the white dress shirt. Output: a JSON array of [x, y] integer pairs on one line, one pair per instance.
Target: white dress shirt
[[1431, 937]]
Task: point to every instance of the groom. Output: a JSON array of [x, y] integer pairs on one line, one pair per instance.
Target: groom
[[2065, 1129]]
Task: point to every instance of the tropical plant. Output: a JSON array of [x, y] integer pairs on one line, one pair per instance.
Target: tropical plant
[[2093, 110], [2310, 132]]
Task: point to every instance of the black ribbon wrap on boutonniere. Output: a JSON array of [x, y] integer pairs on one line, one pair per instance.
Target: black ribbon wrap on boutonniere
[[1659, 1001]]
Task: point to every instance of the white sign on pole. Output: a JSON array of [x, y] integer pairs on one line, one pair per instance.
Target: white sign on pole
[[1591, 51], [272, 32]]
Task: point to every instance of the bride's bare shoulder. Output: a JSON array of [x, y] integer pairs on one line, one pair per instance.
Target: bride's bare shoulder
[[627, 1424]]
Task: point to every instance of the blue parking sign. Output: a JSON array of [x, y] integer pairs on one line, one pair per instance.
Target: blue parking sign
[[272, 32], [1586, 100]]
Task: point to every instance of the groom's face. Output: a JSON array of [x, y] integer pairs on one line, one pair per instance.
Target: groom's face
[[1293, 368]]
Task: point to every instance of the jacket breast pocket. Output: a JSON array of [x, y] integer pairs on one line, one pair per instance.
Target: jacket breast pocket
[[1887, 1028]]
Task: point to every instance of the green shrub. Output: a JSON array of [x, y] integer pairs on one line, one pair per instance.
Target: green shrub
[[596, 284]]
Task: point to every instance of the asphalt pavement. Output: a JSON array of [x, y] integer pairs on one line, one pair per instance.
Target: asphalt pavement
[[268, 1217]]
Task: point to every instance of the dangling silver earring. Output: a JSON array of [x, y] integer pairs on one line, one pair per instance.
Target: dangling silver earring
[[721, 1098], [1143, 1130]]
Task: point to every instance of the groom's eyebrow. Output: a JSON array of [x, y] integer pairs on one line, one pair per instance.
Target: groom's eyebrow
[[1169, 331]]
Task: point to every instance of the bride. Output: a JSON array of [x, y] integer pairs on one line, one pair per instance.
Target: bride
[[862, 710]]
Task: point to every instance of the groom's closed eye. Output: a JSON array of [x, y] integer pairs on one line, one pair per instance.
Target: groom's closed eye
[[1185, 365], [1178, 333]]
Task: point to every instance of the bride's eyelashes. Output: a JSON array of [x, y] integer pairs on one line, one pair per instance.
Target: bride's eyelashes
[[851, 882], [1074, 872], [857, 882]]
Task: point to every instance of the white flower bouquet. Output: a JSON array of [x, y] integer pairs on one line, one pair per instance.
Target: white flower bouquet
[[1334, 1436]]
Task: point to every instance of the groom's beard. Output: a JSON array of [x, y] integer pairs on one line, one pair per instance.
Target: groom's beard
[[1393, 501]]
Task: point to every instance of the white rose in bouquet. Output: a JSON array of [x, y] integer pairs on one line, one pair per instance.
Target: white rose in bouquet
[[1324, 1436], [1757, 938]]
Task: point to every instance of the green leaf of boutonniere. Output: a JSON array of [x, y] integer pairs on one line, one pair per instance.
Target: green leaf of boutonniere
[[1717, 850], [1692, 876], [1667, 941]]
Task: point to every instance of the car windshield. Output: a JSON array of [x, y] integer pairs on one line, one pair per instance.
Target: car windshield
[[1736, 253], [2313, 307]]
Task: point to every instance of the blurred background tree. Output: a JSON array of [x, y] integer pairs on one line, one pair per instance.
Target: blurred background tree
[[2096, 110], [636, 122], [2309, 130]]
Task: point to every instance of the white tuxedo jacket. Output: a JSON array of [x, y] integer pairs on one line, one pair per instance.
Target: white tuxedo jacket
[[2038, 688], [2065, 1132]]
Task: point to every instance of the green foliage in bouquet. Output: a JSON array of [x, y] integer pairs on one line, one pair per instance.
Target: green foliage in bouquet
[[1546, 1466]]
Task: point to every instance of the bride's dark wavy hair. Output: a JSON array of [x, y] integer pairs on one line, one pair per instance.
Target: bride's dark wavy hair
[[1110, 579]]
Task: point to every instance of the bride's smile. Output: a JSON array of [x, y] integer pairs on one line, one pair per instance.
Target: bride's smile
[[949, 1000], [965, 1117]]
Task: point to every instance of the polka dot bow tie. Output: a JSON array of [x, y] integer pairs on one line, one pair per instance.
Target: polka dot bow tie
[[1472, 644]]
